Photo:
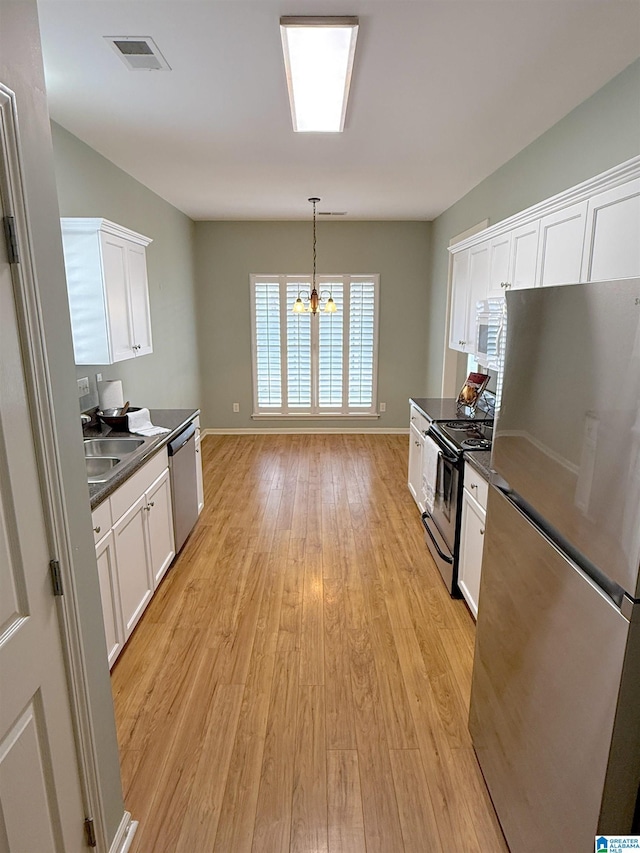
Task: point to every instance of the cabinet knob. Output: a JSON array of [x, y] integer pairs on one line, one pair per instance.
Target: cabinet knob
[[482, 531], [473, 486], [417, 443], [97, 529]]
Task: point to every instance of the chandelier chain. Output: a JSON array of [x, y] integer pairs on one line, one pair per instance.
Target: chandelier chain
[[314, 244]]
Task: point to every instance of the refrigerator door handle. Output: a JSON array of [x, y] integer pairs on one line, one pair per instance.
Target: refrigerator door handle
[[447, 558]]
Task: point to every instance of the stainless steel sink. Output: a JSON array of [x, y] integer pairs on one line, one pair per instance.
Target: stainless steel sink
[[99, 466], [108, 447]]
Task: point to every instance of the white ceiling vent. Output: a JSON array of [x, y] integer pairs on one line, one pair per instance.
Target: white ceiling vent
[[139, 53]]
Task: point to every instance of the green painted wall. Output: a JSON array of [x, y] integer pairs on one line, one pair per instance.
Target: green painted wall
[[600, 133], [90, 185], [228, 252]]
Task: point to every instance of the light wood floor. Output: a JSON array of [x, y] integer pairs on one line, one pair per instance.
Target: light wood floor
[[300, 682]]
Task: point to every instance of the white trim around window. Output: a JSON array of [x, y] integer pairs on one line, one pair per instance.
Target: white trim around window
[[307, 366]]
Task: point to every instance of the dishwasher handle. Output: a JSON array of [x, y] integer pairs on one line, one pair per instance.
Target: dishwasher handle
[[180, 440]]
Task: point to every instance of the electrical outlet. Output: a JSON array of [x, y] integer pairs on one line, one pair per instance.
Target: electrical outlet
[[236, 407], [383, 407], [83, 386], [98, 377]]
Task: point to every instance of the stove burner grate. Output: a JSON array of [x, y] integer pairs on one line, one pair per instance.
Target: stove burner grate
[[477, 444], [462, 426]]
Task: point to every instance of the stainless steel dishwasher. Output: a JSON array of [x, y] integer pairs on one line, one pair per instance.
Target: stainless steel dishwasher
[[184, 484]]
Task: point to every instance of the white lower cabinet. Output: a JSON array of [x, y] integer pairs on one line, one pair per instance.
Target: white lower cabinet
[[137, 549], [474, 504], [160, 527], [199, 478], [418, 426], [133, 562], [110, 595]]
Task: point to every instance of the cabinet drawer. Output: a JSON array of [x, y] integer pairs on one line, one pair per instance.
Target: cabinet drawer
[[418, 420], [137, 484], [476, 485], [101, 520]]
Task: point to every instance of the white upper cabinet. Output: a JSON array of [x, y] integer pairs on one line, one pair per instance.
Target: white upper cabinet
[[590, 232], [470, 284], [459, 299], [499, 264], [524, 255], [560, 245], [612, 243], [108, 290]]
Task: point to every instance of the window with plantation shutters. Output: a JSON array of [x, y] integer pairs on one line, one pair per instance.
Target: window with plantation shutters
[[314, 365]]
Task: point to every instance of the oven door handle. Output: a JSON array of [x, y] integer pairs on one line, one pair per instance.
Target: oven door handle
[[442, 556], [452, 460]]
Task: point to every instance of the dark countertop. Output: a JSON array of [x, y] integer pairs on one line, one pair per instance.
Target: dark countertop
[[174, 419], [480, 460], [444, 409]]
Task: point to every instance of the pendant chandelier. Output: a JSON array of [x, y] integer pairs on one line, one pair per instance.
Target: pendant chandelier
[[312, 302]]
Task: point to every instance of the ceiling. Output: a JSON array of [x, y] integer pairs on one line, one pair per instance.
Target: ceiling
[[443, 93]]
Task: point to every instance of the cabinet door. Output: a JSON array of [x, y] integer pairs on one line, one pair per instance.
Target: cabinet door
[[478, 288], [139, 300], [459, 300], [199, 477], [160, 527], [612, 244], [133, 562], [499, 265], [524, 255], [110, 596], [561, 243], [471, 544], [114, 265], [415, 465]]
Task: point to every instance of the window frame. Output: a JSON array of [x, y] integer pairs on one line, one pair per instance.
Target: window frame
[[314, 411]]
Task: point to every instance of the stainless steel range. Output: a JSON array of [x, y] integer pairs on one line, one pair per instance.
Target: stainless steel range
[[449, 436]]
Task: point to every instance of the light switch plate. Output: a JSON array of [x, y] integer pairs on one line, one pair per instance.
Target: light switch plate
[[83, 386]]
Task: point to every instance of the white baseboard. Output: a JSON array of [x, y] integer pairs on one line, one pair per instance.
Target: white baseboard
[[310, 431], [124, 836]]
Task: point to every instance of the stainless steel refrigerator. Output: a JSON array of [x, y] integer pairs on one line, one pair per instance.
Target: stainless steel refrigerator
[[555, 701]]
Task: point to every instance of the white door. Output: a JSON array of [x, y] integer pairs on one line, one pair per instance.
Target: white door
[[41, 805]]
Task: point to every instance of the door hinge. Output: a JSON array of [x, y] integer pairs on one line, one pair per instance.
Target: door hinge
[[9, 224], [56, 577], [90, 832]]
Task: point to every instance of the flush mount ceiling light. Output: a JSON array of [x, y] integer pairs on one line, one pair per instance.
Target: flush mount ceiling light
[[311, 302], [318, 60]]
